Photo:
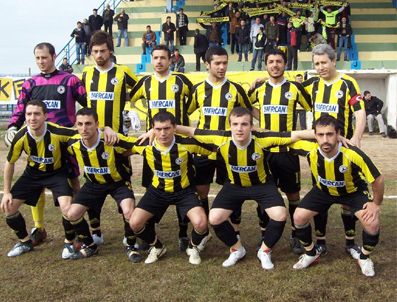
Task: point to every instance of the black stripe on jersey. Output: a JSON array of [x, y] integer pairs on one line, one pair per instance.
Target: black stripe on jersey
[[312, 174], [158, 166], [86, 160], [178, 106], [372, 168], [321, 171], [232, 153], [314, 90], [148, 97], [109, 104], [99, 150], [282, 126], [341, 114], [350, 87], [254, 177], [33, 149], [207, 102], [17, 137], [48, 153], [242, 94], [357, 178], [94, 87], [174, 167], [268, 92], [338, 162], [224, 103]]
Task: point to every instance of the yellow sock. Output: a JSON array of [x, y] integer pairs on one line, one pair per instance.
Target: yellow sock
[[38, 212]]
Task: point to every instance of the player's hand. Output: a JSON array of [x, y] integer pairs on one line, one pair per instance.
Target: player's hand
[[257, 82], [148, 135], [110, 136], [355, 141], [345, 142], [6, 202], [9, 136], [370, 211]]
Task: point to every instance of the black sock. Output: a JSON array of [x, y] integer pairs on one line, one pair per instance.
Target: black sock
[[70, 234], [129, 233], [320, 224], [369, 243], [17, 223], [293, 204], [83, 231], [95, 221], [182, 225], [263, 220], [148, 233], [235, 218], [225, 233], [349, 224], [197, 237], [273, 232], [304, 234]]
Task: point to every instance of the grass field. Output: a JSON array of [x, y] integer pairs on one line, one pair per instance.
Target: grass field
[[43, 276]]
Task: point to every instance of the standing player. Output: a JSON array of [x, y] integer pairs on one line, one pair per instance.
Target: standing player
[[164, 91], [59, 90], [338, 95], [340, 176], [278, 99]]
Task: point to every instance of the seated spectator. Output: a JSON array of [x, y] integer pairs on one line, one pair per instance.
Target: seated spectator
[[258, 49], [177, 62], [169, 29], [373, 107], [200, 48], [344, 32], [79, 35], [65, 66], [148, 39]]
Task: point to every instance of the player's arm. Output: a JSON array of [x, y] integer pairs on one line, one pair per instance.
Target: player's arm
[[302, 134], [78, 90], [130, 78], [372, 208], [185, 130], [356, 104], [303, 97], [137, 91], [7, 197]]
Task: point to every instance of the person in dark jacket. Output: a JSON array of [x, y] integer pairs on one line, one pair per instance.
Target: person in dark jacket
[[87, 31], [107, 16], [79, 35], [213, 34], [168, 28], [95, 21], [344, 32], [177, 62], [243, 39], [260, 43], [200, 47], [122, 25], [373, 107], [182, 22], [65, 66]]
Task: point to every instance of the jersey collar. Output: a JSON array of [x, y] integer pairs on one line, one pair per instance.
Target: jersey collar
[[329, 83], [38, 138], [154, 143], [245, 146], [216, 86], [277, 85], [333, 157], [95, 145], [104, 70], [162, 79]]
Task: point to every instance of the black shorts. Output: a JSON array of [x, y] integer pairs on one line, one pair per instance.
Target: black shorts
[[286, 171], [205, 170], [232, 197], [319, 201], [156, 202], [30, 185], [93, 195]]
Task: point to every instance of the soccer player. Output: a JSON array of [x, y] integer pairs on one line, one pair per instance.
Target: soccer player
[[164, 91], [278, 99], [338, 95], [170, 159], [59, 90], [107, 87], [42, 142], [340, 175], [249, 178]]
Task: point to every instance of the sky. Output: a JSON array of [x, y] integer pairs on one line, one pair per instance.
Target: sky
[[28, 22]]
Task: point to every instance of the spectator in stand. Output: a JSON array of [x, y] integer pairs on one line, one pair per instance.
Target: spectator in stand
[[87, 31], [95, 21], [310, 29], [344, 33], [271, 32], [79, 35], [300, 112], [317, 39], [177, 62], [373, 108], [65, 66], [243, 38], [292, 40], [148, 39], [255, 30], [168, 29], [200, 47], [182, 22], [234, 24], [107, 17], [282, 21], [259, 48], [330, 21], [297, 22], [122, 25], [213, 34]]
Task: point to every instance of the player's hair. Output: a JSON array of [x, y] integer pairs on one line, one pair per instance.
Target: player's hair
[[366, 92], [38, 103], [276, 52], [89, 112], [162, 47], [241, 111], [322, 49], [326, 120], [101, 37], [42, 45], [164, 116], [214, 51], [299, 75]]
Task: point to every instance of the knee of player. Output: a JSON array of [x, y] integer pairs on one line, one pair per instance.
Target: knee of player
[[73, 214], [215, 219], [372, 228], [201, 223], [299, 217], [136, 225]]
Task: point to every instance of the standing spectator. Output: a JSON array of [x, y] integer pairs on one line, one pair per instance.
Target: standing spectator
[[243, 38], [234, 24], [292, 40], [168, 29], [182, 22], [200, 47], [213, 34], [107, 16], [79, 35], [255, 30], [373, 107], [258, 49], [148, 39], [271, 32], [95, 21], [282, 21], [65, 66], [87, 31], [344, 32], [330, 22], [297, 22], [310, 29], [122, 25], [177, 62]]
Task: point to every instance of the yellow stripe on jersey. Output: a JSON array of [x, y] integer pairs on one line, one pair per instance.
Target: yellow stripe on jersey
[[277, 106], [245, 166], [215, 103], [45, 153], [333, 99], [169, 94], [107, 93], [347, 172]]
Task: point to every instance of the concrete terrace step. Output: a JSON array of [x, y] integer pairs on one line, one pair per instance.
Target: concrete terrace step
[[375, 31], [377, 47], [372, 10], [377, 24], [369, 18], [371, 4], [376, 38]]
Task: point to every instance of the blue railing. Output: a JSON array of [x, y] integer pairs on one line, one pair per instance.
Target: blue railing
[[69, 50]]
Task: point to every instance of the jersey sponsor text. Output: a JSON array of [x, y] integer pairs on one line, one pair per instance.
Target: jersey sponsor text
[[96, 170], [277, 109], [99, 95], [243, 169], [221, 111], [331, 183], [327, 108], [161, 104]]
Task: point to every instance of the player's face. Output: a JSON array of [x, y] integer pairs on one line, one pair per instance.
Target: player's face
[[275, 66], [217, 67], [35, 117], [87, 127], [325, 68], [327, 138], [161, 61], [44, 60], [164, 133], [101, 54], [241, 128]]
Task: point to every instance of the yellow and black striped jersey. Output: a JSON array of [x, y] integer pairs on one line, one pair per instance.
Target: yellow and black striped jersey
[[45, 153], [107, 93], [246, 166], [102, 164], [277, 106], [164, 94], [347, 172], [339, 98], [215, 103], [172, 167]]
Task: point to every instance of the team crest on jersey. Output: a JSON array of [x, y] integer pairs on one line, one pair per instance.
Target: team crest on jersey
[[342, 169], [179, 161], [61, 89], [105, 155], [288, 95], [51, 147], [114, 81], [339, 94], [255, 156], [228, 96], [175, 88]]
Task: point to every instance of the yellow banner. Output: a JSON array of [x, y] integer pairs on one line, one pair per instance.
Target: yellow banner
[[220, 7], [6, 90], [285, 10], [331, 3], [301, 5], [264, 11], [212, 20]]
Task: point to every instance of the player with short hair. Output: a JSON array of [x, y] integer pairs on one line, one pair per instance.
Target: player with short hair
[[340, 175]]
